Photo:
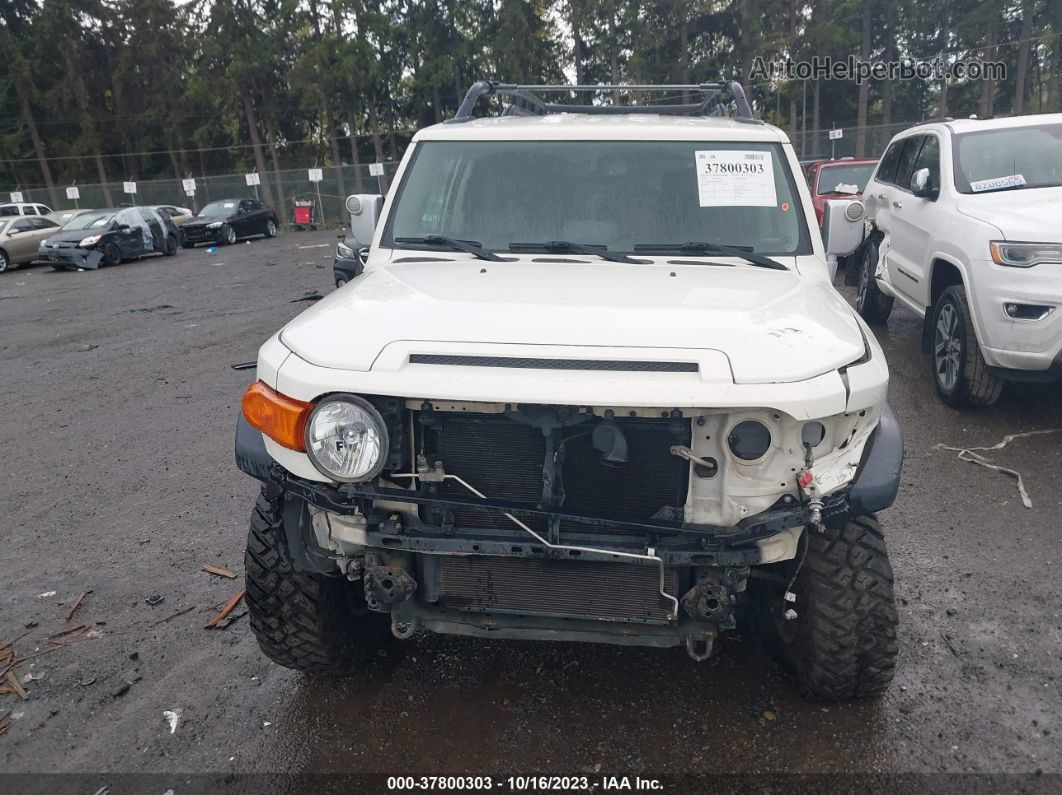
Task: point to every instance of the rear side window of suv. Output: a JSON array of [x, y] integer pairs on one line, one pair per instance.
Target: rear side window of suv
[[888, 162], [905, 165]]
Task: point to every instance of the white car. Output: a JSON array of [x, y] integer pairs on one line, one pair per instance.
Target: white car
[[594, 384], [23, 208], [963, 221]]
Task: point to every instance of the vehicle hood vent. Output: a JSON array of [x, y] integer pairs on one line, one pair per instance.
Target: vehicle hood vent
[[739, 325], [554, 364]]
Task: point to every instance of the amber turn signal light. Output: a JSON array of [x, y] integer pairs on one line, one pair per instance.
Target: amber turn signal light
[[281, 418]]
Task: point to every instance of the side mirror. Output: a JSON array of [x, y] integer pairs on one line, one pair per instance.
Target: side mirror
[[921, 186], [842, 227], [122, 228], [365, 210]]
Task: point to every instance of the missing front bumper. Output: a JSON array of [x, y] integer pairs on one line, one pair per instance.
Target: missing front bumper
[[72, 258], [411, 616], [873, 488]]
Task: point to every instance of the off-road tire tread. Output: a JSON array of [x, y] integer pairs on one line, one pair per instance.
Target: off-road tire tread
[[848, 646], [977, 386], [301, 620]]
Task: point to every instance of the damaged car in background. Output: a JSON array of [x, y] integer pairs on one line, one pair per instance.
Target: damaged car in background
[[107, 237], [594, 384]]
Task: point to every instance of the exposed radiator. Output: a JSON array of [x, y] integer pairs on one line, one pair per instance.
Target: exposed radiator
[[560, 588], [504, 459]]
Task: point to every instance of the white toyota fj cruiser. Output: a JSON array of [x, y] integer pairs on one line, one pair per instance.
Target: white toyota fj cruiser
[[594, 384], [964, 230]]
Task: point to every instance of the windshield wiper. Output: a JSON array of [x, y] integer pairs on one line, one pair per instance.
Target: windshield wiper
[[561, 246], [473, 247], [700, 247]]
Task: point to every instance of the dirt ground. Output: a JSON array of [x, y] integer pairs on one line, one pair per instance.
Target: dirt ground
[[118, 408]]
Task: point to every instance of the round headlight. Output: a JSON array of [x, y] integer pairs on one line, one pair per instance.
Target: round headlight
[[346, 439], [749, 440]]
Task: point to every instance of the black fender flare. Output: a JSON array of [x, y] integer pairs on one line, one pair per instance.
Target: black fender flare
[[877, 480], [253, 459]]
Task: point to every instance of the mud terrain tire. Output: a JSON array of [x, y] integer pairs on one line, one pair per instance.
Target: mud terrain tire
[[842, 644], [306, 622]]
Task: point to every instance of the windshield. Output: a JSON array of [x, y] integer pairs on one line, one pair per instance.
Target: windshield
[[1029, 156], [3, 226], [857, 174], [90, 221], [617, 194], [218, 208]]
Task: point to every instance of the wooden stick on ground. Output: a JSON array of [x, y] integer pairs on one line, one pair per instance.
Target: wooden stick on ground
[[16, 685], [219, 571], [77, 604], [229, 605], [178, 613], [11, 642]]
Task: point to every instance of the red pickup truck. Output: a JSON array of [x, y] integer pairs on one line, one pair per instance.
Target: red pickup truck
[[826, 176]]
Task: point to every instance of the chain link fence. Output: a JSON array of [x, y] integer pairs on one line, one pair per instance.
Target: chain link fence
[[817, 145], [281, 189]]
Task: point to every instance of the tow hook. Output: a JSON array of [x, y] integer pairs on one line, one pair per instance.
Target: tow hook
[[699, 645], [403, 630], [355, 568], [807, 484], [386, 586]]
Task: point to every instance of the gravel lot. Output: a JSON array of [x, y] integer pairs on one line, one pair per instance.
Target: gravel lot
[[118, 480]]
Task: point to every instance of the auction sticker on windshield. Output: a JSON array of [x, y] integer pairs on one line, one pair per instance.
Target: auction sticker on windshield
[[735, 179], [1013, 181]]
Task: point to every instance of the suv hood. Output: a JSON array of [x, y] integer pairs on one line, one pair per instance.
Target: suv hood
[[1029, 214], [773, 326]]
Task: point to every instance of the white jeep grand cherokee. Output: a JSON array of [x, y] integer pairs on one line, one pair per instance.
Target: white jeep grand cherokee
[[965, 230], [593, 385]]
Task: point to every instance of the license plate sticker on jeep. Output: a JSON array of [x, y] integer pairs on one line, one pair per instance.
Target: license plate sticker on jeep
[[736, 178], [1012, 181]]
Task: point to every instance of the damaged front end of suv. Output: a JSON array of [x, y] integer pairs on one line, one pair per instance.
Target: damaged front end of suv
[[568, 523], [574, 445]]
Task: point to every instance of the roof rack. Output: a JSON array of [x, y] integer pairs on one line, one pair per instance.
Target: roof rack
[[526, 102]]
